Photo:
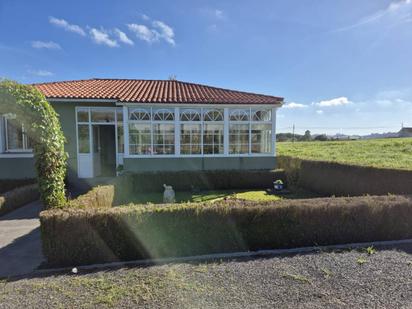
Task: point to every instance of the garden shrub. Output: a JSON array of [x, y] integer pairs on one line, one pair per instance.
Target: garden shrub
[[98, 197], [132, 183], [10, 184], [84, 236], [333, 178], [35, 113], [18, 197]]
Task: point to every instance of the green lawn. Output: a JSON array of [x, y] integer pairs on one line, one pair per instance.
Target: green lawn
[[205, 196], [384, 153]]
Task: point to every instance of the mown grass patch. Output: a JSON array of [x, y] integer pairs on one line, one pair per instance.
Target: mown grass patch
[[393, 153], [205, 196]]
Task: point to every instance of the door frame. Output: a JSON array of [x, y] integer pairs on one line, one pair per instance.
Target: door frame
[[85, 167]]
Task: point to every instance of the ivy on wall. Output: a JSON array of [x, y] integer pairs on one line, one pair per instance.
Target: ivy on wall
[[35, 113]]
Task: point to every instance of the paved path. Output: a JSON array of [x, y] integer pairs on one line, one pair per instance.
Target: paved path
[[20, 243]]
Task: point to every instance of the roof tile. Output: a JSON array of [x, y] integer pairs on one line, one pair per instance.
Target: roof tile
[[150, 91]]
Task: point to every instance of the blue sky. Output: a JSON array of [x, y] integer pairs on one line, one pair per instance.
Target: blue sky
[[342, 65]]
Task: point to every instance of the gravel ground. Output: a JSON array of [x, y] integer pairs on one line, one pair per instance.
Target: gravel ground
[[358, 279]]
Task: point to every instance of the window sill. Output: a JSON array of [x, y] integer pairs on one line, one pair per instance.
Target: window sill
[[16, 155]]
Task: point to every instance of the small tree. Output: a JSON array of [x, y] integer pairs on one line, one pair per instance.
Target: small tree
[[35, 113], [307, 136]]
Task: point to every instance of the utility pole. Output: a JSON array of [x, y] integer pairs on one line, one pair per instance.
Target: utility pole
[[293, 134]]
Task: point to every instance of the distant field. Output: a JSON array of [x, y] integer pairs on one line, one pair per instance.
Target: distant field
[[385, 153]]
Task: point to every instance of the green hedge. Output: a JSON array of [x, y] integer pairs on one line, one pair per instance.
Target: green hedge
[[98, 197], [18, 197], [10, 184], [333, 178], [130, 184], [85, 236]]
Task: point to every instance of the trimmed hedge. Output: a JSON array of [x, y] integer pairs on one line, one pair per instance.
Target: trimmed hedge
[[98, 197], [130, 184], [85, 236], [341, 179], [10, 184], [18, 197]]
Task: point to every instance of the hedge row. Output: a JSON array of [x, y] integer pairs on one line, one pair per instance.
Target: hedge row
[[332, 178], [85, 236], [18, 197], [132, 183], [98, 197], [10, 184]]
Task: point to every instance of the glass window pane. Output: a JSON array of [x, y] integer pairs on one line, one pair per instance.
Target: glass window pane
[[140, 138], [83, 132], [213, 138], [119, 115], [163, 138], [190, 114], [163, 114], [190, 138], [139, 113], [14, 135], [82, 116], [261, 115], [213, 114], [261, 138], [102, 116], [120, 138], [238, 138], [239, 115]]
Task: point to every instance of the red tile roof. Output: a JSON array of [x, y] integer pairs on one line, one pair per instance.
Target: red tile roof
[[150, 91]]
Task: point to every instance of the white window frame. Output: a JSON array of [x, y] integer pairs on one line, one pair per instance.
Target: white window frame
[[23, 150], [226, 122]]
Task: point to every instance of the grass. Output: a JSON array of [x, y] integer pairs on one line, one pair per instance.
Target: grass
[[213, 196], [393, 153], [205, 196]]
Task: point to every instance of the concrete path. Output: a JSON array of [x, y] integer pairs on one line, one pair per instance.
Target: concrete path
[[20, 243]]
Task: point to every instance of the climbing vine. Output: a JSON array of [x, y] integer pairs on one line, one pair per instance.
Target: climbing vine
[[43, 127]]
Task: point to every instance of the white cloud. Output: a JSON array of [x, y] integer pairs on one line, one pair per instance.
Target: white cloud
[[334, 102], [46, 45], [145, 17], [123, 37], [166, 32], [102, 37], [66, 26], [292, 105], [143, 32], [150, 35], [41, 73], [395, 8], [219, 14], [319, 112]]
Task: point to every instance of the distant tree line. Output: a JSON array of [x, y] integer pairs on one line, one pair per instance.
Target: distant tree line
[[289, 137]]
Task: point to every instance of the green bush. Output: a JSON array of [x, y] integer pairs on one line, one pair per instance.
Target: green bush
[[84, 236], [10, 184], [130, 184], [18, 197], [98, 197], [35, 113], [332, 178]]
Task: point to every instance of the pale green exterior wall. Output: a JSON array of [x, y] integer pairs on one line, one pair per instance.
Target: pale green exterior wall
[[17, 168], [190, 164]]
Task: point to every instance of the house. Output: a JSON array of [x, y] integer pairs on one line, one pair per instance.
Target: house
[[149, 125], [405, 132]]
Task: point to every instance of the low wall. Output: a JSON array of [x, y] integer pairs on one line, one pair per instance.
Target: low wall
[[198, 164], [342, 179]]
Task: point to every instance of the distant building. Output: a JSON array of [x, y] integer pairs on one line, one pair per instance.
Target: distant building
[[405, 132]]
